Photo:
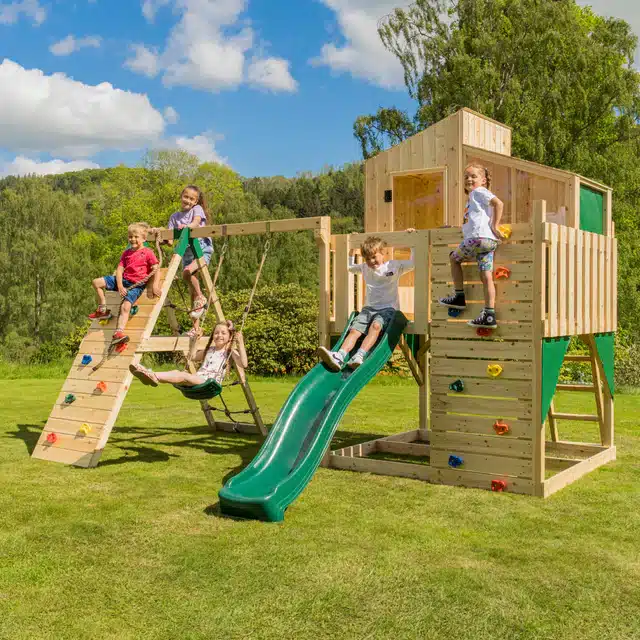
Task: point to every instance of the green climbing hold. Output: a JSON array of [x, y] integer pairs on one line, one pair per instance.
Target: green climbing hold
[[134, 310], [69, 398], [457, 386]]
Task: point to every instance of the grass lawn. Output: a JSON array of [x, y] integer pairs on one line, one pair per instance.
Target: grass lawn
[[134, 548]]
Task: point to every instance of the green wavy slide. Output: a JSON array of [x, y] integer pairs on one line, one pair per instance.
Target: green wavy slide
[[301, 434]]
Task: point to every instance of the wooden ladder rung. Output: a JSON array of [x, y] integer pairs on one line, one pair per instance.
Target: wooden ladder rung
[[584, 417], [576, 358], [575, 387]]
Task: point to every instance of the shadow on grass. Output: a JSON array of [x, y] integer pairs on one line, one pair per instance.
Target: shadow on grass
[[28, 433]]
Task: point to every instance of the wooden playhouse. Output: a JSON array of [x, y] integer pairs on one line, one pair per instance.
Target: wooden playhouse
[[559, 280]]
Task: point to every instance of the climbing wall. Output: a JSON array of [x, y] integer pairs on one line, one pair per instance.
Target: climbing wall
[[89, 401], [482, 434]]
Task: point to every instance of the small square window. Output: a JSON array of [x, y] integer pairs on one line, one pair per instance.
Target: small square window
[[388, 196]]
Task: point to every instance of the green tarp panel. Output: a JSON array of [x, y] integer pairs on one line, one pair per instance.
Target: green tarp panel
[[553, 351], [591, 210], [605, 346]]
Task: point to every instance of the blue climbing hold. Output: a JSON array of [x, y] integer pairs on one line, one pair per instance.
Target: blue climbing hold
[[454, 313], [455, 461], [457, 386], [86, 359]]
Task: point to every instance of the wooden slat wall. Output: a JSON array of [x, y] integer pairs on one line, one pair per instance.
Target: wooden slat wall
[[462, 423], [581, 282], [484, 133]]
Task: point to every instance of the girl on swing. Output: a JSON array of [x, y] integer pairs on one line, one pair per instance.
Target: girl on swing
[[216, 359]]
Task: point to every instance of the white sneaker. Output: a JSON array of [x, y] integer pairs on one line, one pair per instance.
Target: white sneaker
[[356, 361], [330, 358]]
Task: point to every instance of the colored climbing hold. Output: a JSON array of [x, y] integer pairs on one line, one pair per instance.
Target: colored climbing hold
[[505, 230], [500, 427], [69, 398], [101, 386], [103, 322], [502, 273], [483, 332], [457, 386], [84, 429], [494, 370], [498, 485], [454, 313], [86, 359], [134, 310], [52, 438], [455, 461], [121, 347]]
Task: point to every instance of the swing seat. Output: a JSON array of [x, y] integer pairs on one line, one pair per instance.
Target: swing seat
[[205, 391]]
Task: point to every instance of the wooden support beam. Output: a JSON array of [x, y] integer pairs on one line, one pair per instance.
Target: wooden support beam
[[411, 361], [323, 242], [562, 479], [597, 383], [553, 425], [574, 387], [577, 358], [580, 417]]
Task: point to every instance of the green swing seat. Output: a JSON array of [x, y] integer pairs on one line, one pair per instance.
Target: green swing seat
[[205, 391]]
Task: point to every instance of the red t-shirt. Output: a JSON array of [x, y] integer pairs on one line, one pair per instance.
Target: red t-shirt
[[137, 264]]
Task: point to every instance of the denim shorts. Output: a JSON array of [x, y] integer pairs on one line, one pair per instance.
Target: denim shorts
[[111, 284], [480, 249], [207, 252], [368, 315]]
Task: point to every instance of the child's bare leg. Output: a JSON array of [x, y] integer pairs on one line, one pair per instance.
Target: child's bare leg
[[179, 377], [456, 274], [99, 284], [350, 340], [371, 337], [489, 289], [123, 318], [189, 275]]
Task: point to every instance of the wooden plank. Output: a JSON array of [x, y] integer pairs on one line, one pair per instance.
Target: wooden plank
[[482, 444], [505, 290], [504, 253], [357, 450], [448, 367], [580, 283], [452, 236], [343, 302], [411, 362], [614, 286], [51, 454], [507, 408], [579, 449], [86, 401], [104, 335], [463, 478], [82, 414], [597, 383], [571, 276], [578, 417], [139, 321], [155, 344], [453, 328], [484, 463], [480, 425], [75, 442], [553, 423], [509, 311], [97, 349], [393, 238], [602, 322], [59, 425], [484, 387], [516, 350], [553, 281], [575, 387], [520, 272], [108, 374], [403, 448], [422, 291], [562, 281], [586, 276], [323, 242], [564, 478], [380, 467], [114, 299], [72, 385]]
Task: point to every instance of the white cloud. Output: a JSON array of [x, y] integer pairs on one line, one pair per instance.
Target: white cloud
[[171, 115], [201, 146], [144, 61], [271, 73], [208, 49], [22, 166], [362, 53], [68, 45], [58, 115], [10, 13]]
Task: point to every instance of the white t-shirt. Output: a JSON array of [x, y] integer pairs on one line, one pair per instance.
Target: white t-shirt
[[214, 365], [478, 214], [382, 283]]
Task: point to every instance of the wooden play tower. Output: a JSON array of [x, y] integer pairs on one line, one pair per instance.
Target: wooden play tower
[[559, 280]]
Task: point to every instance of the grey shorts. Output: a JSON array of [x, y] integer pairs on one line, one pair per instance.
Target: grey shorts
[[188, 257], [367, 316]]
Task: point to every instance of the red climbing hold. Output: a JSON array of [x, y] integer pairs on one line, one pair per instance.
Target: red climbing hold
[[498, 485], [52, 438], [502, 272], [101, 386], [500, 427], [484, 332], [121, 347]]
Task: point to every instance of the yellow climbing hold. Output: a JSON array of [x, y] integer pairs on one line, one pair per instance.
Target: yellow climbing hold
[[494, 370], [84, 429], [103, 322], [505, 230]]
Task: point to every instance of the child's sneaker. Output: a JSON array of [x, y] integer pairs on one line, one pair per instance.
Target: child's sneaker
[[146, 376], [454, 301], [356, 361], [101, 313], [119, 336], [486, 319], [330, 358], [199, 305]]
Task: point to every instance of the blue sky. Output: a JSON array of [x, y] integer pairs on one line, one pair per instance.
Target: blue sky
[[269, 87]]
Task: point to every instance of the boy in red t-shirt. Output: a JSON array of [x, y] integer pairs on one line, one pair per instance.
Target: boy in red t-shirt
[[136, 267]]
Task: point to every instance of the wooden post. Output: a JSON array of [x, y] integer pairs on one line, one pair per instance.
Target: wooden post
[[323, 241], [539, 291], [605, 437], [344, 291], [553, 423]]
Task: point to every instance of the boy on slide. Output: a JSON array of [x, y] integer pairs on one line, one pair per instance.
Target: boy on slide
[[381, 303]]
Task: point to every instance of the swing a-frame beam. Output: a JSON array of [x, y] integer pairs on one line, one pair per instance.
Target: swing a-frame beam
[[77, 432]]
